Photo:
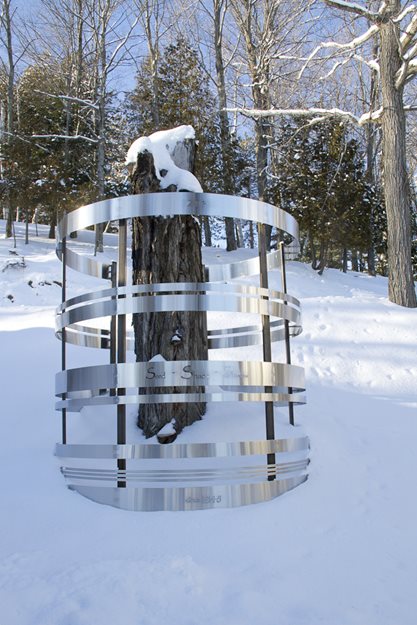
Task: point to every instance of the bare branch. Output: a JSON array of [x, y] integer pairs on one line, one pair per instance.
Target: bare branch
[[66, 137], [69, 98]]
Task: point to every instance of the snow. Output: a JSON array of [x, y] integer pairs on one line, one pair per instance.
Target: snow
[[162, 145], [341, 548], [168, 429]]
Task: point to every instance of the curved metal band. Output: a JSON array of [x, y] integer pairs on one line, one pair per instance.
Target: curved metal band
[[183, 450], [85, 336], [215, 273], [170, 204], [278, 399], [167, 205], [182, 374], [242, 268], [193, 498], [88, 265], [193, 288], [187, 477], [226, 302]]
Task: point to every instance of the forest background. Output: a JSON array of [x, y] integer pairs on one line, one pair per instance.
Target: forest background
[[287, 98]]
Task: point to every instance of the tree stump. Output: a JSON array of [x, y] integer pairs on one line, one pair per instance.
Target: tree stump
[[167, 249]]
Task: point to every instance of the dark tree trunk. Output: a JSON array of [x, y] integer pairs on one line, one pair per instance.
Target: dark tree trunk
[[207, 231], [344, 260], [323, 257], [52, 225], [9, 221], [401, 289], [313, 252], [167, 250]]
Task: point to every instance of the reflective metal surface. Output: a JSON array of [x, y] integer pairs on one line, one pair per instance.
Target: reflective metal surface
[[235, 298], [245, 375], [185, 476], [166, 205], [193, 498], [184, 450], [125, 475], [243, 268]]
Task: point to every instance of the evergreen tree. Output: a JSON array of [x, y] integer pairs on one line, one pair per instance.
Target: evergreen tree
[[48, 171], [184, 98], [320, 180]]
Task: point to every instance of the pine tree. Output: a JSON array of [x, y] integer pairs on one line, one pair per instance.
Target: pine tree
[[184, 98], [320, 180]]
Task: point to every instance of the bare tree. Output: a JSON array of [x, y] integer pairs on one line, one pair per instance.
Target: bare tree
[[216, 11], [92, 39], [270, 32], [394, 26]]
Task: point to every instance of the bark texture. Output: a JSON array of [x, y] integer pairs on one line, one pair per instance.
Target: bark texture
[[401, 288], [167, 250]]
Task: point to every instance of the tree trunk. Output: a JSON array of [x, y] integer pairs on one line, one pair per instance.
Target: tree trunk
[[225, 137], [10, 74], [371, 131], [167, 250], [313, 252], [401, 288], [207, 231], [344, 260], [52, 226], [324, 246]]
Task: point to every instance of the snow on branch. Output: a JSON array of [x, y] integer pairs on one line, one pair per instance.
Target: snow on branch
[[408, 49], [318, 114], [406, 38], [20, 138], [353, 7], [350, 45], [66, 137], [402, 15], [87, 103], [372, 64]]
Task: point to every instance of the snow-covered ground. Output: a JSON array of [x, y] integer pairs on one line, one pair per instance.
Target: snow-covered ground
[[339, 550]]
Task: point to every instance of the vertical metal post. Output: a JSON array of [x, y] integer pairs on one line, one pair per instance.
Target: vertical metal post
[[287, 328], [266, 341], [113, 321], [63, 336], [121, 345]]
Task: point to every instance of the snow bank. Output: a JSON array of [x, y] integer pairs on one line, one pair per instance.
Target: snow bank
[[162, 145], [339, 550]]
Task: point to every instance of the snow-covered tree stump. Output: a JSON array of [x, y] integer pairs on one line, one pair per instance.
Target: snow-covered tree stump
[[167, 249]]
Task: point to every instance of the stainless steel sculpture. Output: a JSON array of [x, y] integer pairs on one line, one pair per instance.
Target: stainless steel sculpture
[[159, 477]]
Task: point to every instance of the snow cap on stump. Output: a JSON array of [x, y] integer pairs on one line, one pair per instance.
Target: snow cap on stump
[[162, 145]]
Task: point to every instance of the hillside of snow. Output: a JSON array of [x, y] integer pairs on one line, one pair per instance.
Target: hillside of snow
[[339, 550]]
